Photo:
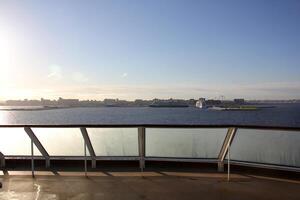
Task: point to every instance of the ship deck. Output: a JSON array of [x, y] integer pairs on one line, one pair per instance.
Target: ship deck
[[49, 176], [152, 184]]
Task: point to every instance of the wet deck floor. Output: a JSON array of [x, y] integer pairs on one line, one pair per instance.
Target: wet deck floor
[[146, 185]]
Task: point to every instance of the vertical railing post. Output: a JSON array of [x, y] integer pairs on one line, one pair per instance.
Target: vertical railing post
[[48, 162], [228, 163], [32, 159], [2, 160], [142, 147], [85, 160]]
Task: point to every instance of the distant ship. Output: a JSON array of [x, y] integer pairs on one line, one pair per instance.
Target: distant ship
[[169, 103], [201, 103]]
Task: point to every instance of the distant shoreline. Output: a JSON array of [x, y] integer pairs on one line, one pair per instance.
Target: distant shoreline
[[30, 108], [216, 108]]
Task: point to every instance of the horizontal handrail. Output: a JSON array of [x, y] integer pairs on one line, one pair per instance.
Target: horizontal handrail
[[287, 128]]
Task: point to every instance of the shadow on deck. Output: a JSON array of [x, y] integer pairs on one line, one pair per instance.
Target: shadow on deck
[[159, 181]]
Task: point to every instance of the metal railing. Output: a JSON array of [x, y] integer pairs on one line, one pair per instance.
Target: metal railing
[[142, 158]]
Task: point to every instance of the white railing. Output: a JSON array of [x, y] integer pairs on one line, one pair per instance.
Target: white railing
[[142, 158]]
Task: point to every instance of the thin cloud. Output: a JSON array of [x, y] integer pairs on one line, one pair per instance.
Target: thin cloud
[[55, 72], [125, 74]]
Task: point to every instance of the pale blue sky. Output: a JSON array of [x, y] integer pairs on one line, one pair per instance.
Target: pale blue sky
[[146, 49]]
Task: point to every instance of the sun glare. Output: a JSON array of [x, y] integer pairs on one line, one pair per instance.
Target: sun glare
[[8, 48], [8, 55], [8, 62]]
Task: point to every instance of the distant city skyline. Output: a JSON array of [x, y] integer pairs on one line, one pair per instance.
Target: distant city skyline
[[149, 49], [200, 103], [220, 98]]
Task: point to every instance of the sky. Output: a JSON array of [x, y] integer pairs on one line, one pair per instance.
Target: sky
[[131, 49]]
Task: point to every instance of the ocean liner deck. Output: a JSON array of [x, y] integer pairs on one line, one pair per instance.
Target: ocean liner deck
[[92, 176]]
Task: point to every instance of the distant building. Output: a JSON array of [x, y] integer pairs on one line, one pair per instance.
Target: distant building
[[24, 102], [46, 102], [168, 103], [201, 103], [141, 102], [68, 102], [191, 102], [110, 102], [239, 101], [212, 102]]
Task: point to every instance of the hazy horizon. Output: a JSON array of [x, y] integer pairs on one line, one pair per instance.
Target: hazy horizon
[[150, 49], [222, 98]]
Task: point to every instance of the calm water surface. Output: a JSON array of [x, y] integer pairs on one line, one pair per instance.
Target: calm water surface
[[281, 115]]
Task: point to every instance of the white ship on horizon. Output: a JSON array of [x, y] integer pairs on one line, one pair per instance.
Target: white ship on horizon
[[201, 103]]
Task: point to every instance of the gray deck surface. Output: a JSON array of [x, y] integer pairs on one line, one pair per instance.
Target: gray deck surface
[[147, 185]]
